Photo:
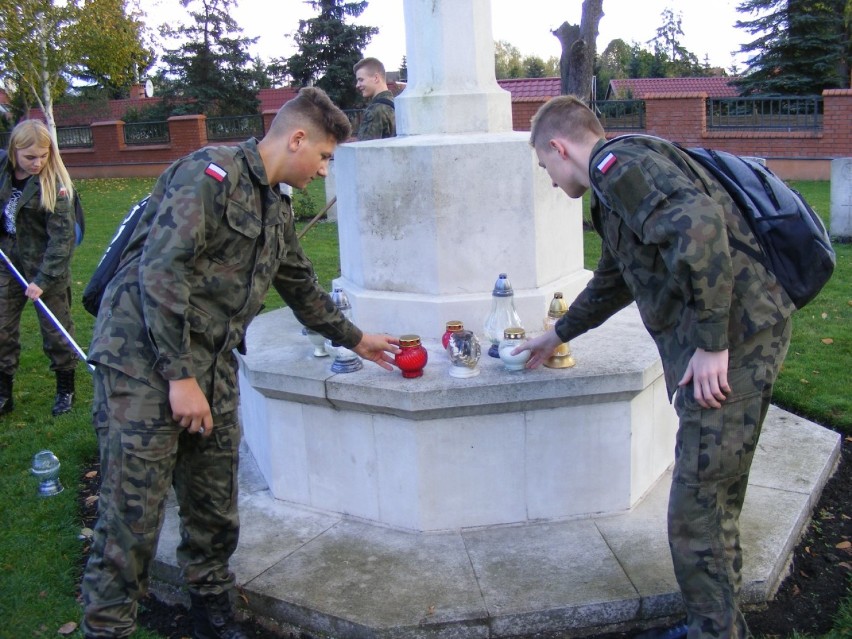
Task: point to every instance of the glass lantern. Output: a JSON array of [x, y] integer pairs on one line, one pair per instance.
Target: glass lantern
[[345, 361], [502, 315]]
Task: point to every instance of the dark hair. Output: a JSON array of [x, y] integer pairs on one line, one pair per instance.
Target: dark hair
[[565, 115], [313, 109]]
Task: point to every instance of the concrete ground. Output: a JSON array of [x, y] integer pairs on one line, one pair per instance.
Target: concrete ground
[[333, 575]]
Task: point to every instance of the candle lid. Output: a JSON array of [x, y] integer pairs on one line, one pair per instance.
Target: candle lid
[[558, 306], [455, 325], [409, 340], [514, 332], [502, 287]]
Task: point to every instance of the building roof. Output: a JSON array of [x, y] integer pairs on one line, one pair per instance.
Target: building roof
[[531, 89], [639, 88], [273, 99]]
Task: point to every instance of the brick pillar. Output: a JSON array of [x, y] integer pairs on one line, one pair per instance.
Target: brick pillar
[[187, 133], [108, 141], [681, 117]]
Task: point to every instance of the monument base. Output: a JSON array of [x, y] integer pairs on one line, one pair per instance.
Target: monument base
[[440, 453], [299, 570]]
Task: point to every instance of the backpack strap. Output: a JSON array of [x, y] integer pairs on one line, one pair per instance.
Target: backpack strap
[[384, 101]]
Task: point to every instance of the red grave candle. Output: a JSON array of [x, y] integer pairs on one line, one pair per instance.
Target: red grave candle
[[412, 356]]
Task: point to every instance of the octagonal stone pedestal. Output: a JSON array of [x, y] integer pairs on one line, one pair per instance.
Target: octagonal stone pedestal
[[440, 453]]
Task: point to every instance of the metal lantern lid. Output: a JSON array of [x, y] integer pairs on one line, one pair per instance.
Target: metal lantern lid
[[558, 306], [502, 287], [407, 341], [454, 325], [341, 301], [514, 332]]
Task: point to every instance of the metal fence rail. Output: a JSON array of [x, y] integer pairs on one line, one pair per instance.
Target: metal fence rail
[[70, 137], [235, 127], [766, 113], [620, 114], [146, 132]]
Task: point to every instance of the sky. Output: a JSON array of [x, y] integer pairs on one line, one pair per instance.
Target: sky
[[708, 25]]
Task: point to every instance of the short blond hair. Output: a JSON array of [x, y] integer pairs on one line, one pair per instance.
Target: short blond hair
[[372, 65], [564, 116]]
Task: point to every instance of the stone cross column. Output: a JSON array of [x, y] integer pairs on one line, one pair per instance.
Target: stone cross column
[[451, 83], [429, 219]]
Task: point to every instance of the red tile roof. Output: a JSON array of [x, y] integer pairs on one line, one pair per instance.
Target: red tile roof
[[639, 88], [531, 89]]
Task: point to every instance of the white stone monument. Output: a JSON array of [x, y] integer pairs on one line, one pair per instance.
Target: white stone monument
[[840, 226], [427, 221]]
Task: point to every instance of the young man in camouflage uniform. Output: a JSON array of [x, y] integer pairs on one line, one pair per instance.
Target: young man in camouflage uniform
[[214, 236], [379, 119], [719, 319]]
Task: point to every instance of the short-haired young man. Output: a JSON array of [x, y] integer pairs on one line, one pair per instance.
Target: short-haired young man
[[215, 235], [379, 120], [719, 319]]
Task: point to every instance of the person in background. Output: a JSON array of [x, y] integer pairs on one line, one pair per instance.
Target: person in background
[[37, 234], [379, 120], [720, 320], [215, 235]]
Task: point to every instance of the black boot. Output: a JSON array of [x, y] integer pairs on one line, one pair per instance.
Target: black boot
[[213, 618], [7, 402], [64, 392]]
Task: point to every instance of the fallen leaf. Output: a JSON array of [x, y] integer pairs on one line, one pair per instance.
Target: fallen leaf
[[824, 316], [844, 545], [827, 340], [796, 591], [91, 499], [42, 594], [86, 533], [808, 549], [91, 474], [67, 628], [804, 381], [845, 564]]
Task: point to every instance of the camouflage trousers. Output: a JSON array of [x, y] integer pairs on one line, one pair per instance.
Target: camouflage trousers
[[144, 452], [62, 356], [713, 455]]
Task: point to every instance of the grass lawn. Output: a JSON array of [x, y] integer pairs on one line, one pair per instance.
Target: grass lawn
[[40, 539]]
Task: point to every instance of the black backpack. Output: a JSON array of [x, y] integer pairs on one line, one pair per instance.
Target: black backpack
[[111, 258], [795, 245]]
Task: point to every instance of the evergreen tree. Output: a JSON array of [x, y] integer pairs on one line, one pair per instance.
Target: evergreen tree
[[681, 62], [328, 49], [802, 46], [212, 71]]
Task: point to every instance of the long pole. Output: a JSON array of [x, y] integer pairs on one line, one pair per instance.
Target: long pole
[[44, 309], [316, 218]]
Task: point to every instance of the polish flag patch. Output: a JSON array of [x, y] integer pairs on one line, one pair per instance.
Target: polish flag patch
[[216, 172], [607, 163]]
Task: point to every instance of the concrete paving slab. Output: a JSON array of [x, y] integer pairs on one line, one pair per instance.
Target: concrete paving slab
[[536, 578], [332, 575], [379, 582]]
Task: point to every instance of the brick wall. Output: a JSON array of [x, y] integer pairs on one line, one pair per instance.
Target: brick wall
[[803, 155], [677, 116]]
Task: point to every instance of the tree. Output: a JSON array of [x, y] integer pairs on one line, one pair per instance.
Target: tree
[[681, 61], [328, 49], [109, 47], [578, 50], [801, 48], [35, 50], [41, 47], [508, 61], [212, 71]]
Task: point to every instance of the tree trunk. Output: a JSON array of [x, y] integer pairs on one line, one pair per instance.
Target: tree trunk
[[576, 64]]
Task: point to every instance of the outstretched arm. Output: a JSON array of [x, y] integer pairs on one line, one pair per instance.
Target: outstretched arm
[[379, 349]]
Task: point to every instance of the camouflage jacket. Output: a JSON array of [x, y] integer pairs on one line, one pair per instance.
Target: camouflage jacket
[[379, 119], [214, 236], [665, 224], [44, 240]]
